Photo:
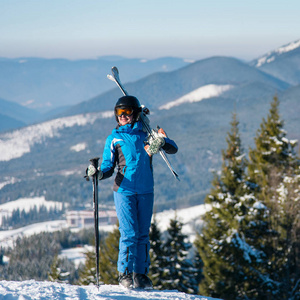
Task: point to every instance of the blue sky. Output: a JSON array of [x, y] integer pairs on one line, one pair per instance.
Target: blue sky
[[192, 29]]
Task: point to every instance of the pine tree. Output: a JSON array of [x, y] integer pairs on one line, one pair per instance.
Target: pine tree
[[108, 257], [234, 227], [87, 275], [109, 250], [156, 255], [197, 271], [273, 166], [56, 274], [178, 270], [287, 261], [272, 155]]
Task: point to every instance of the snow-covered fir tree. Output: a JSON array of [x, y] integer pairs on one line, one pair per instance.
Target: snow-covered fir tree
[[273, 169], [87, 275], [234, 227], [156, 255], [197, 271], [288, 263], [178, 270], [272, 156], [57, 274]]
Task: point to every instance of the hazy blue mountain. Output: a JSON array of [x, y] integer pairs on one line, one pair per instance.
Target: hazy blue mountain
[[16, 111], [14, 115], [283, 63], [290, 106], [160, 88], [45, 84], [8, 123]]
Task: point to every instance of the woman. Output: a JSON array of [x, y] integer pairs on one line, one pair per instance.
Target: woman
[[133, 188]]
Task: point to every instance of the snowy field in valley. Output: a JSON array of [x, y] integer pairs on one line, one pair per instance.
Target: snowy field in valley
[[29, 203], [31, 289], [191, 218]]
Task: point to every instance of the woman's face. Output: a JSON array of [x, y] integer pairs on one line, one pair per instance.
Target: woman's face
[[125, 115], [123, 119]]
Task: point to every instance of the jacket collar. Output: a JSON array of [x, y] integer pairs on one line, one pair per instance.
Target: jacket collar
[[129, 127]]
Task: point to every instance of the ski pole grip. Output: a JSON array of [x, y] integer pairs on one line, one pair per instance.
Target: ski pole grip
[[94, 161]]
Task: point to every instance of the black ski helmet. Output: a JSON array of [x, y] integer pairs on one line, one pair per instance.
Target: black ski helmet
[[129, 101]]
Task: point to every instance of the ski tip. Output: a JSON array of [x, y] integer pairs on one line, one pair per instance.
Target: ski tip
[[115, 70], [110, 77]]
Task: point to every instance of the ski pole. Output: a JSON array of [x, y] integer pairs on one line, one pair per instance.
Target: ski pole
[[94, 162], [115, 77]]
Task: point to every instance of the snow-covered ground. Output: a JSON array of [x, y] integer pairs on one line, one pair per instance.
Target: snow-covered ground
[[31, 289]]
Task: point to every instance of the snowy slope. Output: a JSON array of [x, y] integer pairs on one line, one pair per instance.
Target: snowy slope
[[29, 203], [17, 143], [190, 217], [31, 289], [7, 237], [26, 204], [272, 55], [204, 92]]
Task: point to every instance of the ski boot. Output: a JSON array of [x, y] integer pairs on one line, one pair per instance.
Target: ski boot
[[126, 280], [142, 281]]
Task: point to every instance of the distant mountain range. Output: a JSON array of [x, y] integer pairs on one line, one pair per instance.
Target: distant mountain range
[[48, 86], [45, 84], [193, 103], [160, 88], [14, 115]]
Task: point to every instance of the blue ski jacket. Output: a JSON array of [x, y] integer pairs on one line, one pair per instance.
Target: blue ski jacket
[[124, 148]]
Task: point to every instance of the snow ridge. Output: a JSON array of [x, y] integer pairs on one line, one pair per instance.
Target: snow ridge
[[31, 289], [17, 143], [271, 56], [204, 92]]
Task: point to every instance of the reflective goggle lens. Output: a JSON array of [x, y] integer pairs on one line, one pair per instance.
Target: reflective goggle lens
[[127, 111]]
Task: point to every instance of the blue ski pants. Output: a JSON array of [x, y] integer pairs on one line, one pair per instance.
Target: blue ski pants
[[134, 213]]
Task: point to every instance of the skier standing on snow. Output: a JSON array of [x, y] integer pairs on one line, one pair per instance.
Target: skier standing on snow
[[133, 188]]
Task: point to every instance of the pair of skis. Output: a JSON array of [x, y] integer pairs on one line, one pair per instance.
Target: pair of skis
[[116, 78]]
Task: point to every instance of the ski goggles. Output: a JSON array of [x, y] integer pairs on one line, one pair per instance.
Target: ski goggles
[[126, 111]]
